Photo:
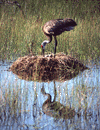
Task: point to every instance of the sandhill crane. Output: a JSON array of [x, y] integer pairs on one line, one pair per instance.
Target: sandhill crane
[[56, 27], [54, 108]]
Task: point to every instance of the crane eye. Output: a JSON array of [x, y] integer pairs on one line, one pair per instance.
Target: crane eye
[[42, 46]]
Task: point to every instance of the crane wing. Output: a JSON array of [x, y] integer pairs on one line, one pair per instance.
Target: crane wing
[[52, 26], [57, 26]]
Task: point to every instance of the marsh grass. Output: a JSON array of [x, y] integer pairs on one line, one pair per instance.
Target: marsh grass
[[18, 32], [11, 101], [26, 104], [85, 101], [13, 109]]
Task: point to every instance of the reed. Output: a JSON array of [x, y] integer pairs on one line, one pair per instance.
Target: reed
[[19, 31]]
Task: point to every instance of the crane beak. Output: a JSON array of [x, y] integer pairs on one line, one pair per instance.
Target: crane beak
[[42, 50]]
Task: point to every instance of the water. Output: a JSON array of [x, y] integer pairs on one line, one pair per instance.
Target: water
[[24, 101]]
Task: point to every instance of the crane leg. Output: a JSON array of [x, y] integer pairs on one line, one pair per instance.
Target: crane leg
[[55, 46]]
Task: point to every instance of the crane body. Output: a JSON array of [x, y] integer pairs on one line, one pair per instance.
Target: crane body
[[56, 27]]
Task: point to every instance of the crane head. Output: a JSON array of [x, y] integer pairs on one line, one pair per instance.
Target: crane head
[[43, 45]]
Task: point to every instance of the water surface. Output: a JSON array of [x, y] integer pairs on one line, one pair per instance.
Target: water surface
[[82, 93]]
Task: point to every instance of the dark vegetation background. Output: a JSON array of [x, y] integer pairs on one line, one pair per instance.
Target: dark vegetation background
[[21, 27]]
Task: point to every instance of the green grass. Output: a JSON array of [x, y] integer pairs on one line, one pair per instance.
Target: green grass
[[18, 31], [12, 98]]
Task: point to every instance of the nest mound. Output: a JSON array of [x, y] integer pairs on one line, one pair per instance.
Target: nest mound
[[41, 68]]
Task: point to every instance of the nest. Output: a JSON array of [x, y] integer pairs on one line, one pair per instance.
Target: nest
[[40, 68]]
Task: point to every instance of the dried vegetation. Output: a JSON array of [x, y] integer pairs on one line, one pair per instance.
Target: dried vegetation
[[41, 68]]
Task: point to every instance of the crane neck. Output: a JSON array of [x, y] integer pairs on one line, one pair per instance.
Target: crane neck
[[48, 99], [46, 94], [43, 44]]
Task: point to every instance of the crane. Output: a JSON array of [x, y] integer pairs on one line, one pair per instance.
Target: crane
[[56, 27], [54, 108]]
